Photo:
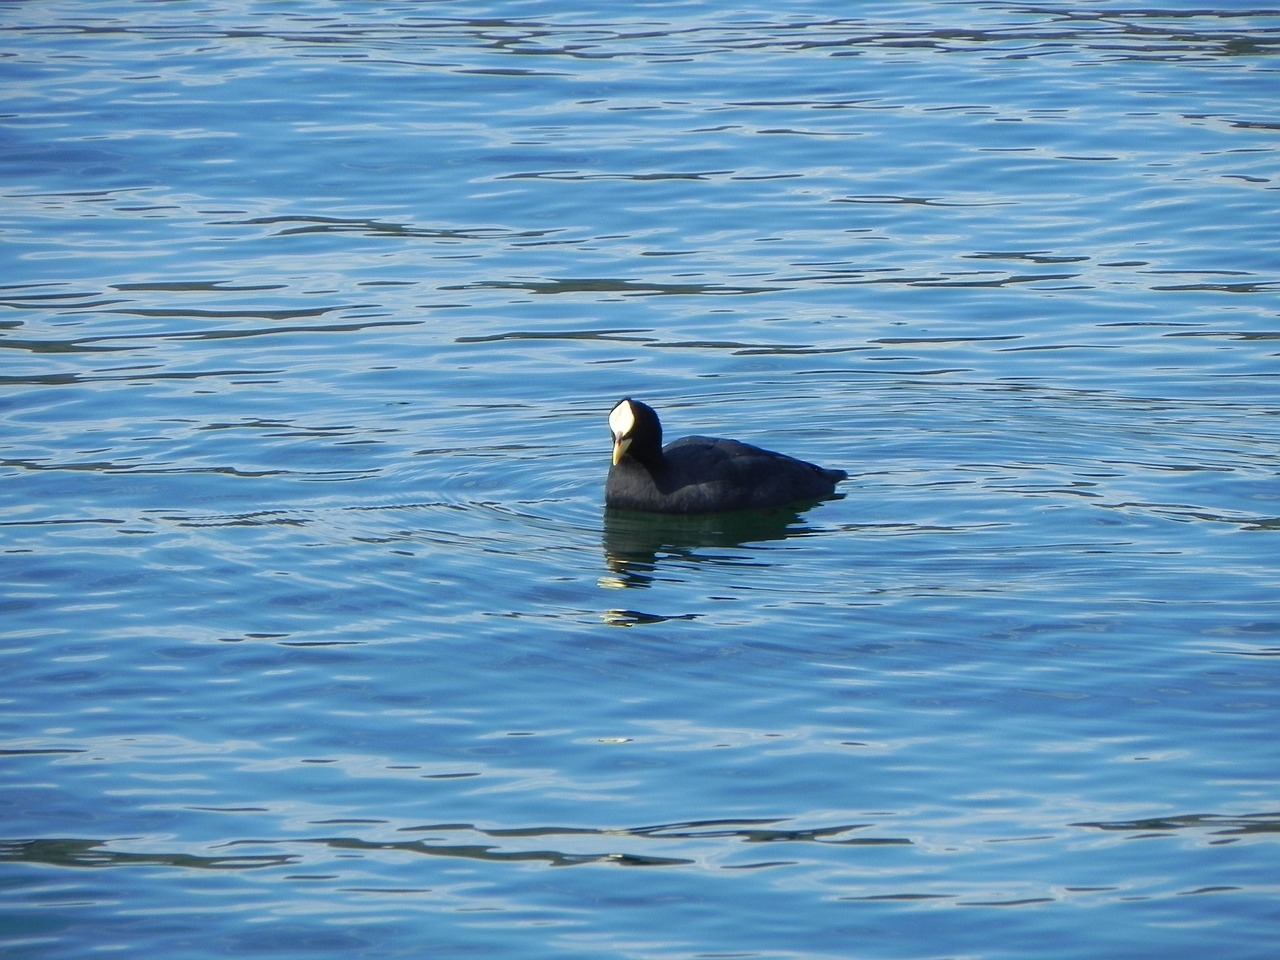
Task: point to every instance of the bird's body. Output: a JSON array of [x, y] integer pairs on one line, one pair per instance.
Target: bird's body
[[702, 474]]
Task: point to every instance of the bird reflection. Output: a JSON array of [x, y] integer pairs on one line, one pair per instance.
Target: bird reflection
[[636, 544]]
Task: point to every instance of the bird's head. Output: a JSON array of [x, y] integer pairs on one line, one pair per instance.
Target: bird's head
[[636, 430]]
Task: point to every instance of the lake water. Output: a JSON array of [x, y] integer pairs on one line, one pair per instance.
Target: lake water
[[317, 642]]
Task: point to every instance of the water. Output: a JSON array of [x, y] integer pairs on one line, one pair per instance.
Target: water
[[317, 641]]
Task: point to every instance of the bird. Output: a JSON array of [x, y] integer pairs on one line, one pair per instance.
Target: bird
[[695, 475]]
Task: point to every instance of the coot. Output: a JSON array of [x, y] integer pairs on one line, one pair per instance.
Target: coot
[[701, 474]]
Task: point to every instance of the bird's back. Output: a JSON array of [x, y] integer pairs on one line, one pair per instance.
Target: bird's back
[[709, 474]]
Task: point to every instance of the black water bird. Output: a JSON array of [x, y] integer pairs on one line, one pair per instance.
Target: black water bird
[[701, 474]]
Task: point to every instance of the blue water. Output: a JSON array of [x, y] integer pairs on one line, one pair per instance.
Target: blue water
[[317, 642]]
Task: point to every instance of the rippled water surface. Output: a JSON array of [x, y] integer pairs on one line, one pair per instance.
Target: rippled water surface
[[317, 642]]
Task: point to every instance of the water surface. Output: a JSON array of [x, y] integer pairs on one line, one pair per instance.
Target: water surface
[[318, 641]]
